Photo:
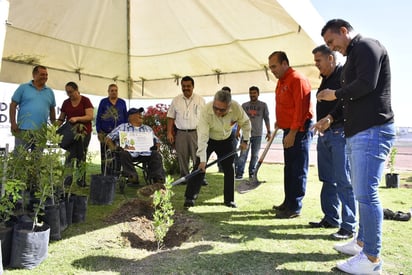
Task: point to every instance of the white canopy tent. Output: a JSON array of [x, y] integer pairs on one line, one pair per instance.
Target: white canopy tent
[[146, 46]]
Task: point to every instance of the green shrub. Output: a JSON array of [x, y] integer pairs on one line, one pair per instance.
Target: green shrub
[[162, 217]]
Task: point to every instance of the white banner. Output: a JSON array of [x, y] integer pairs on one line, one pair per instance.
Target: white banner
[[6, 91]]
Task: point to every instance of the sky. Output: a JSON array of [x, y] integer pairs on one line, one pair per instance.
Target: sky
[[390, 22]]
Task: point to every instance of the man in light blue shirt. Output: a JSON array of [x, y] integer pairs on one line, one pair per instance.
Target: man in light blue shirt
[[36, 104]]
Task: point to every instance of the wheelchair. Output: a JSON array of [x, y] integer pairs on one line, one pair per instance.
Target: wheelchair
[[142, 163]]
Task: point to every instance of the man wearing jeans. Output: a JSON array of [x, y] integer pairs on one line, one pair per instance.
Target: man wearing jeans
[[257, 112], [293, 116], [336, 197], [370, 133]]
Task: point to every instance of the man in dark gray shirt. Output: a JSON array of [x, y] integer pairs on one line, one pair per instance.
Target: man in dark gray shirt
[[257, 112]]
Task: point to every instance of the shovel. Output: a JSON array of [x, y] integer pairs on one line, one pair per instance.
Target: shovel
[[197, 171], [248, 185]]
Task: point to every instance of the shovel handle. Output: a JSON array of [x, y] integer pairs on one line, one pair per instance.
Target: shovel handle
[[197, 171], [272, 137]]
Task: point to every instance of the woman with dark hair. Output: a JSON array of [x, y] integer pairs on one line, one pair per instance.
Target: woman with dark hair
[[77, 110]]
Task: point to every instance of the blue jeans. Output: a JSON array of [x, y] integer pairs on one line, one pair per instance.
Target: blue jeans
[[367, 152], [296, 159], [255, 143], [334, 173]]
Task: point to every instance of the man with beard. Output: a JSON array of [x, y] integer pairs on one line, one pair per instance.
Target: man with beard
[[257, 112]]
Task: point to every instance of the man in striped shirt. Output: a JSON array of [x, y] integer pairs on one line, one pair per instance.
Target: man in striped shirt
[[133, 149]]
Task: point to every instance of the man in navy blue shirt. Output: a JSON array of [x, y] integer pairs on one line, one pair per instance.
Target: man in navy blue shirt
[[336, 198]]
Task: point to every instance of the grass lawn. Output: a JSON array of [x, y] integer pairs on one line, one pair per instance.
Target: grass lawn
[[246, 240]]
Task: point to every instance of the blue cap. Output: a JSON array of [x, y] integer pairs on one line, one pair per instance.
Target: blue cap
[[135, 111]]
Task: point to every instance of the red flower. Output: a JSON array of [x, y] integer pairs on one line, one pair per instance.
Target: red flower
[[156, 117]]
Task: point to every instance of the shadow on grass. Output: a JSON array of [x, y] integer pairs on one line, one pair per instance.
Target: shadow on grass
[[202, 260], [246, 226], [232, 221], [96, 214]]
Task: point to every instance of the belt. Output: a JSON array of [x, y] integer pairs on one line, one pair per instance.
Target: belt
[[186, 130], [334, 128]]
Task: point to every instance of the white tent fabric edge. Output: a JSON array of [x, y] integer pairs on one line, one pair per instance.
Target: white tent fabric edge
[[303, 21]]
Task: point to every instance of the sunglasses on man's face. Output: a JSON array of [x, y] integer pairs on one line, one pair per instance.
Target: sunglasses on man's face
[[217, 109]]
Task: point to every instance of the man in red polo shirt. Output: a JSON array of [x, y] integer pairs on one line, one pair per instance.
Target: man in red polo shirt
[[293, 116]]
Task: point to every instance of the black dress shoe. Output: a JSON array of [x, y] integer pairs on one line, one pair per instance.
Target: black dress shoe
[[281, 207], [342, 234], [388, 214], [189, 203], [401, 216], [204, 183], [231, 204], [322, 224], [287, 214]]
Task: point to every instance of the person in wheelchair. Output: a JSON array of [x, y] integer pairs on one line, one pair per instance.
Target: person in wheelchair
[[135, 142]]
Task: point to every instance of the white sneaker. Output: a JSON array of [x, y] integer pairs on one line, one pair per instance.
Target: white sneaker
[[350, 248], [360, 264]]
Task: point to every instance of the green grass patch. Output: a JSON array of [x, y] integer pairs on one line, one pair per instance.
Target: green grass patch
[[246, 240]]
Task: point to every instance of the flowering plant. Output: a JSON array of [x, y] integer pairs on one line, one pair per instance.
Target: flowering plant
[[156, 117]]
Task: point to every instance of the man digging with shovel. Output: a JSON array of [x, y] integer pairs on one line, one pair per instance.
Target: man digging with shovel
[[215, 135]]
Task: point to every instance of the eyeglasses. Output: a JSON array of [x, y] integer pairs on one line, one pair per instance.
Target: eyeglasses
[[222, 110]]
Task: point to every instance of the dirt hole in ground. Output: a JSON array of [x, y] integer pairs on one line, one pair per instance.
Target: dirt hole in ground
[[137, 214]]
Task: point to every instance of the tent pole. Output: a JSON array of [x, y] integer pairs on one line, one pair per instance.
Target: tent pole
[[129, 77]]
